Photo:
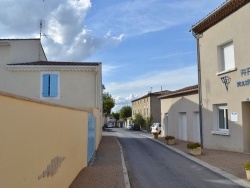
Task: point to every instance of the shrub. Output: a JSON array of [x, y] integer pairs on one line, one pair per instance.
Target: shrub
[[169, 137], [247, 165], [193, 145]]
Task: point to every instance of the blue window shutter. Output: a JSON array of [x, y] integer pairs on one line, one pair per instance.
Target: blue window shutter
[[45, 92], [53, 85]]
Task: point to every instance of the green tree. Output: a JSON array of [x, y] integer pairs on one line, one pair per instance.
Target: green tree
[[148, 122], [125, 112], [138, 119], [108, 103], [116, 115]]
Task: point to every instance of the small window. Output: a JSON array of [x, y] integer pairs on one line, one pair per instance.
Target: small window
[[222, 118], [227, 57], [50, 85]]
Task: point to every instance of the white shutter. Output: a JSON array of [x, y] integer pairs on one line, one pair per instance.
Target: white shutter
[[228, 53]]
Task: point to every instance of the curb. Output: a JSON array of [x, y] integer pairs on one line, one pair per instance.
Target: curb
[[227, 175], [124, 168]]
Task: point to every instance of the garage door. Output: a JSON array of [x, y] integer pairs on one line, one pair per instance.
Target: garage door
[[183, 126]]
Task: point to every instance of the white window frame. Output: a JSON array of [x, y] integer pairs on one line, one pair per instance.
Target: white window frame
[[217, 128], [224, 109], [226, 58], [41, 85]]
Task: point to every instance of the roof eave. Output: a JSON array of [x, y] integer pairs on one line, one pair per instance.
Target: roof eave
[[226, 9], [50, 68], [183, 93]]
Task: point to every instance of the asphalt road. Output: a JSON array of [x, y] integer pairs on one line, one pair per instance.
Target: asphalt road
[[151, 165]]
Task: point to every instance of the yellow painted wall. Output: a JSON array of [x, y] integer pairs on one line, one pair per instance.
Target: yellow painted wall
[[31, 135], [98, 128]]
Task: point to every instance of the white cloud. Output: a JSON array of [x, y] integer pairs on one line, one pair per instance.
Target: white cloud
[[120, 102], [68, 39], [138, 17], [179, 54], [109, 69], [124, 92], [165, 79]]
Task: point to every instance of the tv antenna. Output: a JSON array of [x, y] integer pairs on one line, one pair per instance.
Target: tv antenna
[[41, 23]]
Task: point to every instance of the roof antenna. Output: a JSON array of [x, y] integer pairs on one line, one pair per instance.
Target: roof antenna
[[41, 23], [41, 28]]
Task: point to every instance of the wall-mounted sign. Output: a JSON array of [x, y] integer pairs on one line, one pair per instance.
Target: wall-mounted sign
[[234, 116], [226, 80], [244, 72]]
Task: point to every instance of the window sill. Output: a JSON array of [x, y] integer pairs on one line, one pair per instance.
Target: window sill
[[226, 71], [224, 133]]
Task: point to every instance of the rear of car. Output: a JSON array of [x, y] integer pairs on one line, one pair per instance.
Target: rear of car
[[156, 128]]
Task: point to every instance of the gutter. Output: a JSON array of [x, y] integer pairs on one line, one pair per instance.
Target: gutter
[[199, 85]]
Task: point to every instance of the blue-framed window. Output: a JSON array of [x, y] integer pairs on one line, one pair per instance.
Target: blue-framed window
[[50, 85]]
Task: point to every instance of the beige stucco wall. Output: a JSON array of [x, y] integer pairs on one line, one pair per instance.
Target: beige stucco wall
[[174, 106], [25, 50], [31, 135], [148, 106], [139, 105], [233, 28], [78, 89], [155, 109], [98, 128]]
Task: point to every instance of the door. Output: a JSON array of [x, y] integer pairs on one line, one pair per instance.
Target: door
[[183, 126], [91, 136], [196, 127], [165, 120]]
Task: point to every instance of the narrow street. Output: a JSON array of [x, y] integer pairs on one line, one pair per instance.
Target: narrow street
[[150, 165]]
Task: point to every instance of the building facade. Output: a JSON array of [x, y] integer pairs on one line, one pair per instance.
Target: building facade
[[223, 40], [55, 106], [180, 114], [25, 71], [148, 106]]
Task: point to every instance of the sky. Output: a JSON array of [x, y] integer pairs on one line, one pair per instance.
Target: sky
[[143, 45]]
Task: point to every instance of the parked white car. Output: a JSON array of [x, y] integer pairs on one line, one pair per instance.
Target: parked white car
[[156, 128]]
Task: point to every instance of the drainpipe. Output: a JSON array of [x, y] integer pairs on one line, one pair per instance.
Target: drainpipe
[[197, 36]]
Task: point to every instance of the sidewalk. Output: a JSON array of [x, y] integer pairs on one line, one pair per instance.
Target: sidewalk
[[106, 171], [231, 162]]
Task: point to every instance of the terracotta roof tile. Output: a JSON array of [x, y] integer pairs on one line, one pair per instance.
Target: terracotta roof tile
[[181, 92], [226, 9], [158, 93]]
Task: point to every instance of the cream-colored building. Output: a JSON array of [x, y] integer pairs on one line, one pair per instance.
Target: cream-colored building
[[148, 106], [223, 40], [25, 72], [180, 114]]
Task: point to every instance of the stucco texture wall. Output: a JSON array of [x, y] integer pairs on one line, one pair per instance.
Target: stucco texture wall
[[174, 106], [231, 29], [98, 128], [41, 145]]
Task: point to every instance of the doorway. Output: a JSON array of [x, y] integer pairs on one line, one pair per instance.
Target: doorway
[[183, 126]]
